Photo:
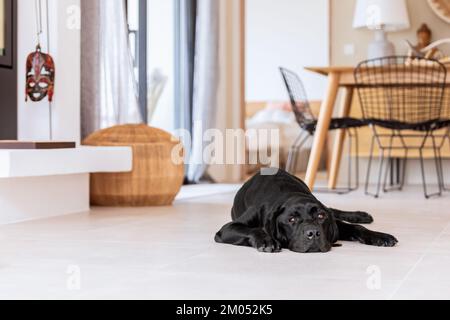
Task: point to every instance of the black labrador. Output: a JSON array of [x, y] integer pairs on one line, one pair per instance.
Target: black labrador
[[272, 212]]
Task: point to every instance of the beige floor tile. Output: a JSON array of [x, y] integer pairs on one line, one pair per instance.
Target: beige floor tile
[[161, 253]]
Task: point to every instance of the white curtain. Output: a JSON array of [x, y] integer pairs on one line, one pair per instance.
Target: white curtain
[[206, 77], [108, 82]]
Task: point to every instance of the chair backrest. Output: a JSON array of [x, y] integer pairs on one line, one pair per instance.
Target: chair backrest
[[297, 96], [401, 89]]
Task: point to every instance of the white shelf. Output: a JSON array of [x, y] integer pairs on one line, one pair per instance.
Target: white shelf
[[39, 163]]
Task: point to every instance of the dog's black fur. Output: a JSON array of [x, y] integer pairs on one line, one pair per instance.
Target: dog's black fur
[[272, 212]]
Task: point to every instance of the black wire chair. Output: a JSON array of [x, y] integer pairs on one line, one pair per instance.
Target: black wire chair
[[308, 122], [401, 98]]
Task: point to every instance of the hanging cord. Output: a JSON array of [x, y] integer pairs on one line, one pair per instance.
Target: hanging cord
[[40, 32], [38, 4], [50, 104]]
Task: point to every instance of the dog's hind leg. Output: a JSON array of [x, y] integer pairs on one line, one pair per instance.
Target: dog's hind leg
[[352, 217]]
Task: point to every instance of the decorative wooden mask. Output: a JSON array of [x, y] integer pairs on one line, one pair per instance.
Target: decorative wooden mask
[[40, 76]]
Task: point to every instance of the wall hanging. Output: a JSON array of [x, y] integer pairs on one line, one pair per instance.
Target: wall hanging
[[40, 70]]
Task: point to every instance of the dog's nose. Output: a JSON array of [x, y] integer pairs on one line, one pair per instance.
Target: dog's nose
[[312, 234]]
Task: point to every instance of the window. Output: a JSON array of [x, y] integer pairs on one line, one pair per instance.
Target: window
[[161, 63], [137, 33], [151, 29]]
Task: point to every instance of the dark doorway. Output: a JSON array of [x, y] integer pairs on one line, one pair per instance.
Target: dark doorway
[[8, 73]]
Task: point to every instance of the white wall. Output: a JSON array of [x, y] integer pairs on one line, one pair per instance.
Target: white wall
[[345, 35], [64, 46], [289, 33]]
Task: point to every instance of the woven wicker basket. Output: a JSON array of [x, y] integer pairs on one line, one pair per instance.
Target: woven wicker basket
[[155, 179]]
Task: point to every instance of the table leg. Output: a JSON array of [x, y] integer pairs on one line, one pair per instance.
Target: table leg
[[339, 140], [323, 125]]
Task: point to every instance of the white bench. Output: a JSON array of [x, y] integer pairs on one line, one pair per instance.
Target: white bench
[[37, 184]]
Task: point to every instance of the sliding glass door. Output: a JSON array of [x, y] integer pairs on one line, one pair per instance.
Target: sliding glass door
[[137, 32], [152, 30], [161, 63]]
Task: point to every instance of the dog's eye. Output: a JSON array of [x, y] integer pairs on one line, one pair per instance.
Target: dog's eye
[[321, 216], [293, 220]]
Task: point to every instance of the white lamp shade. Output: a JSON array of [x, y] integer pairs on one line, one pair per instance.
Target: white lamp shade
[[391, 15]]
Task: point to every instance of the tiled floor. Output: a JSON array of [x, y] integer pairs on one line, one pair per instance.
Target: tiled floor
[[169, 253]]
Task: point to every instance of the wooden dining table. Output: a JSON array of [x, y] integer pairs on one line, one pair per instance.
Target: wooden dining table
[[338, 78]]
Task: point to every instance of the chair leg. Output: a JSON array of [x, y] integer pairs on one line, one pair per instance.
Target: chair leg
[[441, 165], [357, 158], [389, 167], [353, 136], [369, 169], [380, 173], [349, 188], [405, 164], [424, 181], [441, 169], [350, 160], [422, 165], [448, 138], [438, 163], [389, 170], [401, 183], [438, 160]]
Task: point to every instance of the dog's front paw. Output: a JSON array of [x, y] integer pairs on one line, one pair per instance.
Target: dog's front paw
[[266, 244], [386, 240], [380, 239], [364, 217]]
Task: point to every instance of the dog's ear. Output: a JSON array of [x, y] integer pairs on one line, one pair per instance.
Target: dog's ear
[[333, 231], [272, 225]]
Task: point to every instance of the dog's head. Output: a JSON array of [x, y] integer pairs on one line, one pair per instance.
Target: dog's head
[[305, 226]]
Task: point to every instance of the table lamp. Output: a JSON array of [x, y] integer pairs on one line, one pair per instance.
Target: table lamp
[[381, 16]]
